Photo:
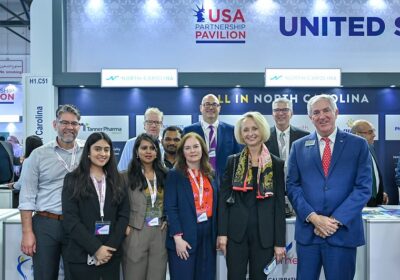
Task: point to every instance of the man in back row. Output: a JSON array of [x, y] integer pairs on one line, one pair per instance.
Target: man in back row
[[219, 136], [42, 180], [366, 130], [170, 140]]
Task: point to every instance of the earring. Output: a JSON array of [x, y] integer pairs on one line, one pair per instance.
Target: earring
[[88, 156]]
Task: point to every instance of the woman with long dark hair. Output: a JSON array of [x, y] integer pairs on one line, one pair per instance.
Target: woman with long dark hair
[[145, 256], [190, 206], [96, 211]]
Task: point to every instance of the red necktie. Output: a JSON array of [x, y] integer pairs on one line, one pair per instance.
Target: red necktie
[[326, 156]]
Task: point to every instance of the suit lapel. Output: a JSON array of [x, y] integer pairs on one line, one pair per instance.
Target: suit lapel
[[316, 155], [337, 149], [274, 141], [187, 188]]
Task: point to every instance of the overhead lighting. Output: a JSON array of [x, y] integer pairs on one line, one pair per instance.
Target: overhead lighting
[[81, 86], [377, 4], [237, 86], [9, 118], [185, 86], [392, 86]]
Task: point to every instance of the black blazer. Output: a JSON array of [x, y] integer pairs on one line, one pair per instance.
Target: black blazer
[[378, 200], [272, 143], [79, 222], [232, 219]]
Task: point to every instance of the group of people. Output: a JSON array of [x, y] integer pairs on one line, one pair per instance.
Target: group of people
[[211, 186]]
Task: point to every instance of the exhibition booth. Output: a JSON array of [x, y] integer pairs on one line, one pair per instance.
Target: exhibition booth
[[225, 48]]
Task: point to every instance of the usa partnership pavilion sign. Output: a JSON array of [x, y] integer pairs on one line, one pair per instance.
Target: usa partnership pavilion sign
[[233, 36]]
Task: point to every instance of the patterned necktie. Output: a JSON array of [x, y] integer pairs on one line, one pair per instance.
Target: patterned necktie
[[212, 151], [326, 156], [282, 147]]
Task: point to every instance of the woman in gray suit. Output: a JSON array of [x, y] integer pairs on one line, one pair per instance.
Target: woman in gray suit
[[145, 255]]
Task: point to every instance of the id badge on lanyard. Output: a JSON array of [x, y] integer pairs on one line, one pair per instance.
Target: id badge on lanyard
[[202, 214], [101, 227]]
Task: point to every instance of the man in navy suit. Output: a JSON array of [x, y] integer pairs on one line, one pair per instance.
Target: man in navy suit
[[366, 130], [223, 134], [329, 182]]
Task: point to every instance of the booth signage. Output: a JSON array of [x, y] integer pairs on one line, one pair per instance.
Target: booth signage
[[11, 68], [139, 78], [302, 78]]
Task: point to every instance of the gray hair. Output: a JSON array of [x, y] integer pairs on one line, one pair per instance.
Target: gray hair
[[68, 108], [153, 110], [323, 96], [283, 100]]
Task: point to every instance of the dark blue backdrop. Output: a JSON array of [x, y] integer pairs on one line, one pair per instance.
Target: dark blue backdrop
[[235, 101]]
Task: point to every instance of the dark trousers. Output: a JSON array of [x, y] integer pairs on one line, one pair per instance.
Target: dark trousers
[[108, 271], [248, 251], [201, 265], [49, 246], [338, 262]]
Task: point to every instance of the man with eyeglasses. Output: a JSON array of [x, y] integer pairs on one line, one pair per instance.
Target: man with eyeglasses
[[218, 135], [153, 121], [366, 130], [170, 140], [283, 134], [42, 181]]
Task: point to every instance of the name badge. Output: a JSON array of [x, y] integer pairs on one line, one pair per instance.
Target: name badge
[[202, 217], [152, 222], [310, 143], [102, 227]]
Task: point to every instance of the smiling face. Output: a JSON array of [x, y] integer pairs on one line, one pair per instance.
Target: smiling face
[[147, 152], [170, 141], [250, 132], [67, 127], [152, 124], [282, 115], [192, 152], [323, 116], [210, 108], [100, 153]]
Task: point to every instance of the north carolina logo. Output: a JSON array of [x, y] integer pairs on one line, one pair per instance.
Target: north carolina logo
[[21, 267]]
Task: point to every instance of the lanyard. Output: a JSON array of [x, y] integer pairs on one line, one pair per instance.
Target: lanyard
[[152, 189], [71, 166], [199, 187], [101, 192]]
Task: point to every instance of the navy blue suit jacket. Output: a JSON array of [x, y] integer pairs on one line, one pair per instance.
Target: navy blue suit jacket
[[181, 211], [226, 143], [342, 194]]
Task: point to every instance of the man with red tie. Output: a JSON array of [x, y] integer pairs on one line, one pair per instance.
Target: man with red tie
[[219, 136], [329, 181]]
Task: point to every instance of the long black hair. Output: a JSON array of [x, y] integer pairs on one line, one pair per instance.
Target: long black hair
[[136, 177], [82, 183]]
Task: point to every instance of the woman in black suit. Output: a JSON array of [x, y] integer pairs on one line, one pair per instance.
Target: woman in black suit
[[96, 212], [251, 215]]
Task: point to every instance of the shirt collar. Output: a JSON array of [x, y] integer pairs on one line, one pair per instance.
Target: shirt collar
[[331, 137], [205, 125], [286, 131]]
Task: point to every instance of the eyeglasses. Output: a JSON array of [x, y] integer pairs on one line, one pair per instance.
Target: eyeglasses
[[149, 122], [209, 105], [281, 110], [369, 132], [67, 123]]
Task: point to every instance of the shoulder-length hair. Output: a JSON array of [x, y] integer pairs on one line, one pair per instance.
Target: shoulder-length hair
[[136, 178], [181, 164], [32, 142], [82, 185]]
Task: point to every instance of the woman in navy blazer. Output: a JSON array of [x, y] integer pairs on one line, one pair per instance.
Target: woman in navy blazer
[[190, 204], [95, 233]]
